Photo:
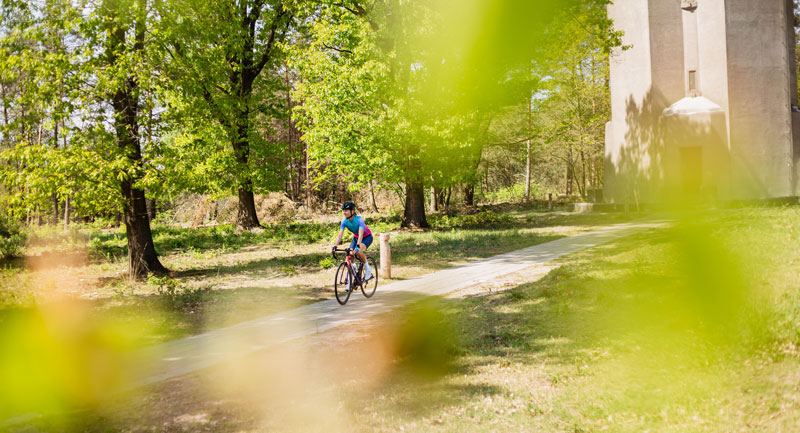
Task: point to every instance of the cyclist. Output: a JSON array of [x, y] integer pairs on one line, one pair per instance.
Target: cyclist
[[362, 236]]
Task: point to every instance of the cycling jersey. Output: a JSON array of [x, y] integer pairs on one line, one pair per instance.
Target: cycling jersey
[[356, 223]]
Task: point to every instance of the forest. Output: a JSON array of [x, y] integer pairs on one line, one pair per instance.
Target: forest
[[118, 110]]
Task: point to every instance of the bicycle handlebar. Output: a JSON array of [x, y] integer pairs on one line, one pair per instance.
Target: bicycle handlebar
[[344, 250], [335, 249]]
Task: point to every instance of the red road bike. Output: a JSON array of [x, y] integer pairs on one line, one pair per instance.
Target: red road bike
[[350, 276]]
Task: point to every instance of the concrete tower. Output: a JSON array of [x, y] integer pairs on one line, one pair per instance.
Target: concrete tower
[[704, 102]]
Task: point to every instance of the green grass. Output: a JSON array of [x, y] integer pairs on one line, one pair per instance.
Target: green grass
[[221, 276], [223, 238], [108, 244], [693, 328]]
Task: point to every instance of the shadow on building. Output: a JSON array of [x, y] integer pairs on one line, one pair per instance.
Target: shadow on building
[[704, 104]]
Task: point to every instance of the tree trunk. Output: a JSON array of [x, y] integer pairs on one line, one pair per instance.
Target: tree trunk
[[142, 256], [447, 200], [469, 194], [24, 124], [55, 209], [434, 201], [583, 175], [568, 186], [440, 195], [528, 170], [372, 195], [528, 155], [55, 195], [414, 215], [66, 213], [294, 161], [6, 139], [151, 210], [308, 179], [246, 216]]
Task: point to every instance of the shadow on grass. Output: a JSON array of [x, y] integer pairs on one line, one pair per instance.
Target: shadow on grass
[[431, 251], [225, 237], [569, 310], [192, 311], [288, 265], [111, 244], [562, 321], [465, 244]]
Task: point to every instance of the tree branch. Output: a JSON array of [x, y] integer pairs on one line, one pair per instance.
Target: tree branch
[[341, 50], [358, 11], [217, 111], [265, 57]]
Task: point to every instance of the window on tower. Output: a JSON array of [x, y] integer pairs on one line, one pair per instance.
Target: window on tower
[[692, 83]]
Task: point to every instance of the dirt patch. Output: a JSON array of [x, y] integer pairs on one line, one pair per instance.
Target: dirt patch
[[49, 260]]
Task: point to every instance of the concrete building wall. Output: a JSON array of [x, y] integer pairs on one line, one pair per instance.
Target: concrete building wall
[[759, 98], [791, 54], [742, 52], [713, 84], [712, 52], [667, 50], [631, 79]]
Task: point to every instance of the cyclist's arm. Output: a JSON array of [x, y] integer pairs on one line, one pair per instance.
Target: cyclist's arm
[[339, 237], [360, 235]]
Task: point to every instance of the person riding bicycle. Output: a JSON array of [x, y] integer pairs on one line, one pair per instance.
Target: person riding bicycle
[[362, 236]]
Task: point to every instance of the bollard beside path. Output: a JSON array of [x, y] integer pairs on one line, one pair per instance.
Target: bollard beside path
[[386, 256]]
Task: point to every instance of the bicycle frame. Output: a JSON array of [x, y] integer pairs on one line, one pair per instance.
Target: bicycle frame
[[348, 258], [354, 279]]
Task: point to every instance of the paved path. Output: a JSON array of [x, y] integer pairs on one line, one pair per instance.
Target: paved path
[[189, 354]]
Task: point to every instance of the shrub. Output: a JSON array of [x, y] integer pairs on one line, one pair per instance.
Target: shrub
[[12, 237], [177, 296], [326, 263], [487, 219], [513, 193]]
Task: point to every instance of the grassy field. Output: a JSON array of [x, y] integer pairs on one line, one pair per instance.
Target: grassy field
[[695, 327], [220, 276]]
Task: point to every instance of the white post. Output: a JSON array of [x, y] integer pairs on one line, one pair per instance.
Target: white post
[[386, 256]]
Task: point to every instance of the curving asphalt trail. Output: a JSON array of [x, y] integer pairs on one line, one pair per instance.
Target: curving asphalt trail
[[178, 357]]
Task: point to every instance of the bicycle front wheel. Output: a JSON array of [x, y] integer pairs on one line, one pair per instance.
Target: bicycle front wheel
[[343, 283], [368, 287]]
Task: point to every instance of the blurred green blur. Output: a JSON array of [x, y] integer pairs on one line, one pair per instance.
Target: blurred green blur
[[58, 358]]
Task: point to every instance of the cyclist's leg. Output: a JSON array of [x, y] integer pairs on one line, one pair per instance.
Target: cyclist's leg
[[362, 247], [353, 244], [360, 253], [365, 243]]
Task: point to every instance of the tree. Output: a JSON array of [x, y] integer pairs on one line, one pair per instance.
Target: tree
[[407, 91], [125, 25], [102, 71], [366, 107], [224, 56], [554, 131], [576, 105]]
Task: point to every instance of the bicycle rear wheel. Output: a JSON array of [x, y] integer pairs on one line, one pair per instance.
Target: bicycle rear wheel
[[343, 285], [368, 287]]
